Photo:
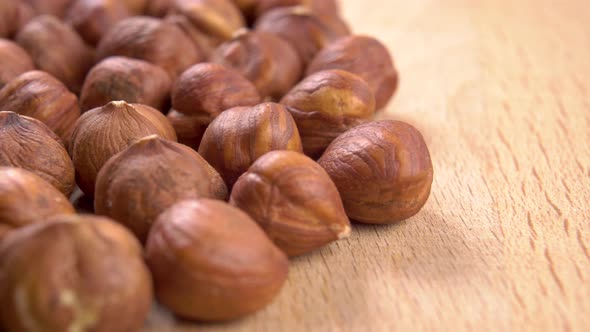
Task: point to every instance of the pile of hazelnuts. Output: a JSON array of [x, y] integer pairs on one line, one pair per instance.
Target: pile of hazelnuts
[[214, 138]]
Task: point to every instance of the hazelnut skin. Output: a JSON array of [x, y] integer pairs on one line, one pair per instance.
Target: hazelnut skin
[[69, 62], [216, 18], [29, 144], [136, 7], [266, 60], [377, 67], [294, 200], [92, 18], [39, 95], [25, 199], [88, 275], [323, 7], [122, 78], [105, 131], [148, 177], [382, 170], [9, 14], [326, 104], [14, 60], [189, 128], [234, 268], [55, 8], [204, 43], [239, 136], [207, 89], [158, 8], [307, 32]]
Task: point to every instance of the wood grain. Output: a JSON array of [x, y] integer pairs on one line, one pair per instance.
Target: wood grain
[[500, 90]]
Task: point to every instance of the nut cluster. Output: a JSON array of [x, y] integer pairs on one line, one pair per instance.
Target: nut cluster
[[210, 141]]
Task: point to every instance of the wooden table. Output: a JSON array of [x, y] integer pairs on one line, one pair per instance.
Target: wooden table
[[501, 91]]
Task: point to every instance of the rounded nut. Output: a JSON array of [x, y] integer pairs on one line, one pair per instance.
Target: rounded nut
[[207, 89], [376, 68], [122, 78], [157, 41], [294, 200], [27, 143], [69, 62], [266, 60], [25, 14], [382, 170], [14, 60], [204, 42], [189, 128], [216, 18], [9, 17], [26, 199], [326, 104], [158, 8], [73, 273], [105, 131], [148, 177], [93, 18], [234, 268], [55, 8], [39, 95], [323, 7], [136, 7], [239, 136]]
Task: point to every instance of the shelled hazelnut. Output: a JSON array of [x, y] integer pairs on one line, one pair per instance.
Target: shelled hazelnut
[[14, 60], [87, 275], [25, 14], [9, 14], [148, 177], [69, 62], [105, 131], [92, 18], [321, 7], [239, 136], [160, 42], [136, 7], [235, 268], [294, 200], [122, 78], [189, 128], [29, 144], [158, 8], [55, 8], [382, 170], [25, 199], [204, 43], [376, 67], [39, 95], [266, 60]]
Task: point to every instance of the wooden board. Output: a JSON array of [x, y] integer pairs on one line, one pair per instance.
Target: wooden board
[[501, 91]]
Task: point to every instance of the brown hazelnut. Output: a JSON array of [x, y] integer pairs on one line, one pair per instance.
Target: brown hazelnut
[[382, 170], [158, 8], [73, 273], [323, 7], [122, 78], [234, 268], [136, 7], [25, 199], [27, 143], [376, 67], [308, 33], [294, 200], [25, 14], [148, 177], [239, 136], [92, 18], [69, 62], [326, 104], [9, 17], [39, 95], [216, 18], [105, 131], [207, 89], [14, 60], [266, 60], [154, 40], [55, 8], [204, 43], [189, 128]]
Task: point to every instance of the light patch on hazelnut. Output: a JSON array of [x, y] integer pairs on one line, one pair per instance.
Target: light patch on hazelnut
[[118, 103], [344, 233], [84, 317], [22, 308]]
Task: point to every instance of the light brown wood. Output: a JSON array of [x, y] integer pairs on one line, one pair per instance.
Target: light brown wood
[[501, 91]]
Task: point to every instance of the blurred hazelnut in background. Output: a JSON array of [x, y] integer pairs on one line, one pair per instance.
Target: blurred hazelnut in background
[[14, 60]]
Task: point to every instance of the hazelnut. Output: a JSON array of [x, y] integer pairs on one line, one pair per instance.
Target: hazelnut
[[122, 78], [210, 261], [69, 62], [39, 95], [324, 7], [9, 17], [105, 131], [216, 18], [308, 33], [55, 8], [293, 200], [239, 136], [25, 14], [73, 273], [268, 61], [148, 177], [27, 143], [204, 43], [189, 128], [14, 60], [136, 7], [158, 8], [382, 170], [376, 67], [207, 89], [247, 7], [25, 199], [326, 104], [92, 18]]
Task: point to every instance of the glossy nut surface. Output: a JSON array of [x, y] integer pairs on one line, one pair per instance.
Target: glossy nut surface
[[93, 18], [210, 261], [294, 200], [382, 169], [14, 60], [189, 128]]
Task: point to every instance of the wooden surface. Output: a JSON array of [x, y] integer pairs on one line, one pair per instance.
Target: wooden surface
[[501, 91]]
